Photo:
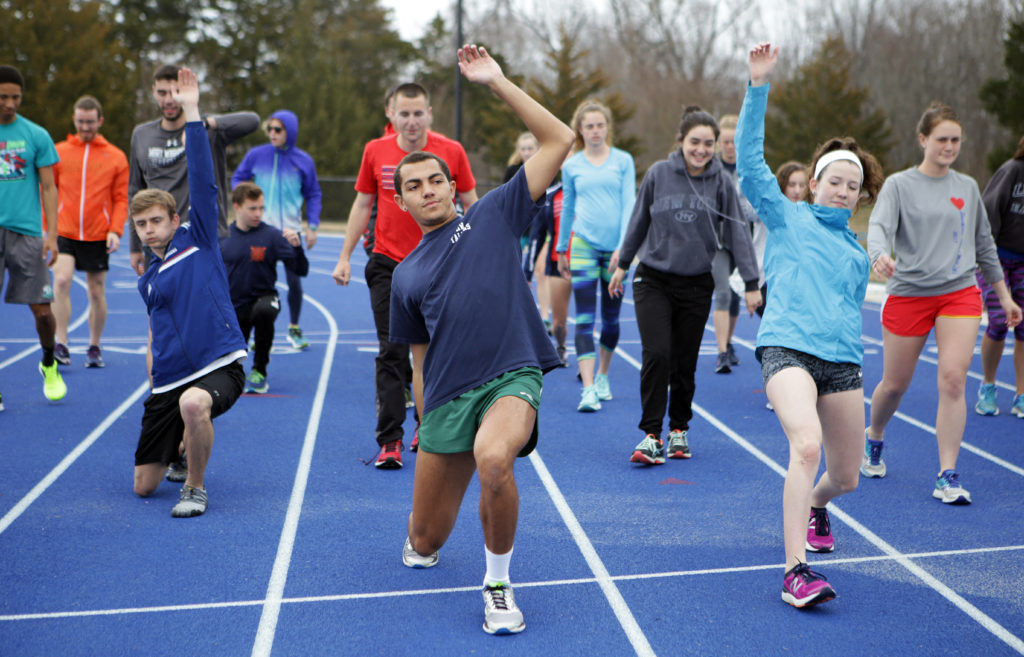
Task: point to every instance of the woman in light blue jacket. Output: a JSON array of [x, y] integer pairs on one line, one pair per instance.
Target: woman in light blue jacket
[[809, 340]]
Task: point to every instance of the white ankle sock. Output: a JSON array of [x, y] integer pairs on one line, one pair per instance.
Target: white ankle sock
[[497, 567]]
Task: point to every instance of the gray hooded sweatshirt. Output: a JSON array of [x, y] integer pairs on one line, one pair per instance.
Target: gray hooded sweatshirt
[[679, 221]]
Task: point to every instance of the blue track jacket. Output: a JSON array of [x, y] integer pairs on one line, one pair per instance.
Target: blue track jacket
[[193, 323]]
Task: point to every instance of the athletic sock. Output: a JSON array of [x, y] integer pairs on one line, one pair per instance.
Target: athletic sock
[[47, 356], [497, 567]]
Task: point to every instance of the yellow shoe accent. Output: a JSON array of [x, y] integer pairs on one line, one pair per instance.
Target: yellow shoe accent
[[53, 384]]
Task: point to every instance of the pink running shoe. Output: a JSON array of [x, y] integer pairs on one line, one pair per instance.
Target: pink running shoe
[[819, 534], [802, 587]]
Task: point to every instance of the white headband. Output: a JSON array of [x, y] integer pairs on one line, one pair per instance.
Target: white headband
[[831, 156]]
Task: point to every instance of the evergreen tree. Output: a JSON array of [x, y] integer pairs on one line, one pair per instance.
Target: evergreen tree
[[336, 62], [575, 82], [1005, 98], [820, 102], [64, 50]]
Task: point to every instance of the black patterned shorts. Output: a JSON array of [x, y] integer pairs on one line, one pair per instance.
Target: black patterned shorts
[[828, 376]]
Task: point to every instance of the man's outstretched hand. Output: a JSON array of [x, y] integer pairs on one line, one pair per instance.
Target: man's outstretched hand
[[477, 66]]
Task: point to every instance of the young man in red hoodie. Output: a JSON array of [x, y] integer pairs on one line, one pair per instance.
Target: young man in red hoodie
[[92, 187]]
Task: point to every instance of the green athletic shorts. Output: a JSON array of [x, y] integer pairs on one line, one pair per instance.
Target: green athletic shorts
[[451, 428]]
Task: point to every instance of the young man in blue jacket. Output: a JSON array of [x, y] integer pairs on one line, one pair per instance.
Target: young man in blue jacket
[[195, 344]]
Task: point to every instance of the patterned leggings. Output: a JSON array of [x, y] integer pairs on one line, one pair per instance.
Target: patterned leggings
[[589, 269], [1013, 275]]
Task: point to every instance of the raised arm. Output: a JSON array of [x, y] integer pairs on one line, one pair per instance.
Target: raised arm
[[555, 138]]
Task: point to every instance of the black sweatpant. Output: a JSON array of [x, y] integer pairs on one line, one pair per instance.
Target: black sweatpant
[[260, 315], [391, 367], [670, 313]]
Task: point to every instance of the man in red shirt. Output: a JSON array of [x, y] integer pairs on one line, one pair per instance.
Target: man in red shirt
[[396, 234], [92, 186]]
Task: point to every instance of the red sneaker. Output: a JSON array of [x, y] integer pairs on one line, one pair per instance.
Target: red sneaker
[[415, 446], [390, 457]]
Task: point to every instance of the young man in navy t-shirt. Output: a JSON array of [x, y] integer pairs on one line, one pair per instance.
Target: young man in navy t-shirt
[[479, 346]]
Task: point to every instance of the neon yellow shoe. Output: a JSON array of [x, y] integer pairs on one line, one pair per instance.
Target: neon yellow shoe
[[53, 384]]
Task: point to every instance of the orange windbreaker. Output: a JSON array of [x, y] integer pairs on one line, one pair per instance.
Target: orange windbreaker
[[92, 185]]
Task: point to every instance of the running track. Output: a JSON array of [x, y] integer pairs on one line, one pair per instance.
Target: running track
[[299, 553]]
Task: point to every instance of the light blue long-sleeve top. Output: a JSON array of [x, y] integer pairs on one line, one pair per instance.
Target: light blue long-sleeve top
[[597, 201], [817, 272]]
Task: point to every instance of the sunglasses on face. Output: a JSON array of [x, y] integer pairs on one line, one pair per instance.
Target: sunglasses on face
[[275, 128]]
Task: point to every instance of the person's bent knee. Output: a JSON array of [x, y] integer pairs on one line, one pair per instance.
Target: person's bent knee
[[494, 469], [195, 404], [805, 447]]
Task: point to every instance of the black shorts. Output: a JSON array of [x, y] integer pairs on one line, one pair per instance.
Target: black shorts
[[89, 256], [551, 267], [828, 376], [162, 426]]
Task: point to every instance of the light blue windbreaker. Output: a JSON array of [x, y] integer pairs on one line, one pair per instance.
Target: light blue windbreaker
[[287, 177], [817, 273]]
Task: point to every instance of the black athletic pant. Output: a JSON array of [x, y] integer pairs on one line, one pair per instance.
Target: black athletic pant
[[670, 313], [294, 295], [391, 366], [260, 315]]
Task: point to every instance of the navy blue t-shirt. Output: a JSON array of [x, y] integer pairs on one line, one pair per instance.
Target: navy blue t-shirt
[[462, 290], [251, 256]]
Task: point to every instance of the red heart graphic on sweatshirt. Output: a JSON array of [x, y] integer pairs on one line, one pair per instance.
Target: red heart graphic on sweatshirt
[[958, 202]]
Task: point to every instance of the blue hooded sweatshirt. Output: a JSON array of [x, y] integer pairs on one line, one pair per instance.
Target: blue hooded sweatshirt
[[287, 177]]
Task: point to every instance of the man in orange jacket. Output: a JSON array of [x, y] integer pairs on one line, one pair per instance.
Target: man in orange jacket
[[92, 185]]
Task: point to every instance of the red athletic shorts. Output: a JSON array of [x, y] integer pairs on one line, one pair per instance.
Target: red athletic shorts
[[915, 316]]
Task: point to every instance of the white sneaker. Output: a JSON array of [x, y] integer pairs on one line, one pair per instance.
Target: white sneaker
[[414, 559], [501, 615]]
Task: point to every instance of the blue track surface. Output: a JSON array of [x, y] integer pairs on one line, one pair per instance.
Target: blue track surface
[[299, 553]]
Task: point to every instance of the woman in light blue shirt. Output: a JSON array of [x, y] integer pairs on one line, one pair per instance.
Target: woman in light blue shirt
[[599, 188]]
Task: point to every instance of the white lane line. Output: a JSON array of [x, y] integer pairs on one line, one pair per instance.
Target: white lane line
[[82, 317], [342, 597], [611, 592], [66, 462], [264, 641], [949, 594]]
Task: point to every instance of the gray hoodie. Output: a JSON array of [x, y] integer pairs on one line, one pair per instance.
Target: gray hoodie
[[679, 221]]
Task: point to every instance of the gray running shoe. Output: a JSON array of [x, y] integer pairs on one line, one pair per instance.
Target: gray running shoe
[[649, 451], [61, 353], [731, 353], [94, 357], [678, 447], [178, 471], [414, 559], [192, 502], [501, 615]]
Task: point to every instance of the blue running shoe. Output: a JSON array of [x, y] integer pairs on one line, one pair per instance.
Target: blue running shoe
[[1018, 406], [986, 400]]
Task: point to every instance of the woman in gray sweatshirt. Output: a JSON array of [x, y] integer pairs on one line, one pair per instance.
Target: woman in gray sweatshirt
[[932, 220], [687, 209]]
